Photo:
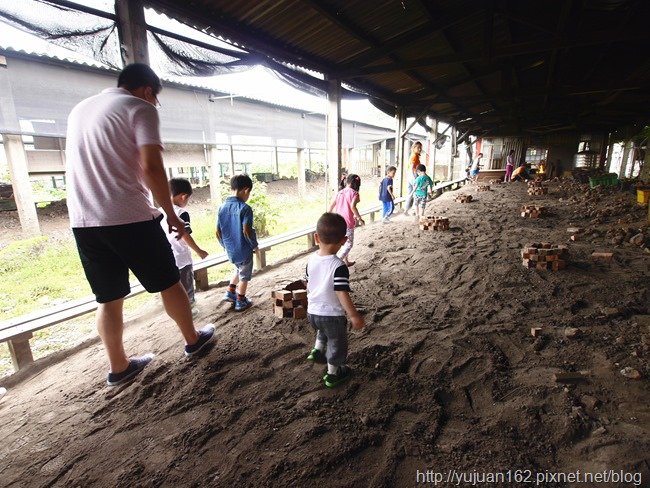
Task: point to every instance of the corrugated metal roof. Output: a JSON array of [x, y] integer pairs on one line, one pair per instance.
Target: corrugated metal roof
[[517, 59]]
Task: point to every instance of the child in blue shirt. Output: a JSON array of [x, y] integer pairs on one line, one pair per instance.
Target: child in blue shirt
[[386, 195], [236, 234]]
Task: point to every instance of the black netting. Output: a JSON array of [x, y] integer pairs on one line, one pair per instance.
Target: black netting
[[83, 33], [96, 37], [174, 57]]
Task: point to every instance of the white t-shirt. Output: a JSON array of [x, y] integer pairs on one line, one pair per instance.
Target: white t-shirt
[[104, 177], [325, 276], [182, 252]]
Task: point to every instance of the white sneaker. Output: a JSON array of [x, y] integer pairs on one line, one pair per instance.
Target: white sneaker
[[195, 312]]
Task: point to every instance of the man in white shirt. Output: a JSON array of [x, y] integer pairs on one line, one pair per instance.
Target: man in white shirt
[[114, 157]]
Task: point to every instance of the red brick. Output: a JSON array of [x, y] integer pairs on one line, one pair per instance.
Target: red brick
[[299, 312], [299, 294], [282, 295]]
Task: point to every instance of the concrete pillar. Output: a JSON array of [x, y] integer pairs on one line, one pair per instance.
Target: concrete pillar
[[610, 153], [450, 172], [433, 136], [231, 152], [215, 177], [334, 135], [22, 187], [132, 31], [401, 177], [302, 182], [626, 156], [644, 175]]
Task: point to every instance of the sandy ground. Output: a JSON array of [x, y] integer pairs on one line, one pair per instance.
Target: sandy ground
[[446, 375]]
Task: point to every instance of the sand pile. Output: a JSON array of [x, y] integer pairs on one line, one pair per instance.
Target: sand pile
[[447, 374]]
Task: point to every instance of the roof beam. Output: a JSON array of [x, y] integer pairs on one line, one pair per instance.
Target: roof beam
[[403, 40], [501, 52], [568, 12], [356, 31]]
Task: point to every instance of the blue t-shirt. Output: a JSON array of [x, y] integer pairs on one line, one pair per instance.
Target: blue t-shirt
[[232, 216], [422, 183], [384, 196]]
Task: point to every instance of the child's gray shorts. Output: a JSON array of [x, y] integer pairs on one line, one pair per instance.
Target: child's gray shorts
[[333, 331]]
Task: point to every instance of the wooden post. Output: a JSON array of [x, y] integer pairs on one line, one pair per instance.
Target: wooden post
[[21, 353], [302, 182], [260, 258], [22, 187], [277, 161], [201, 279], [311, 241], [132, 31], [215, 177], [334, 135]]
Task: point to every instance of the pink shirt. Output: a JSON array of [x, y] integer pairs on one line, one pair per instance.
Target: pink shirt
[[343, 205], [104, 176]]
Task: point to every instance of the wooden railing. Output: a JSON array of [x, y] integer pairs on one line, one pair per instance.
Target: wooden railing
[[17, 331]]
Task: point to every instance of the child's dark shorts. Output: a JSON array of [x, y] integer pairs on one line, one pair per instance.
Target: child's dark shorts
[[107, 253]]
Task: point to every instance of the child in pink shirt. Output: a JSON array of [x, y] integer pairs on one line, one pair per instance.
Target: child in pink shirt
[[345, 204]]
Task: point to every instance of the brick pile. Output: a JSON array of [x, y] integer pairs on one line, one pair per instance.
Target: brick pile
[[532, 211], [545, 256], [290, 304], [434, 223], [462, 198], [536, 188], [483, 188]]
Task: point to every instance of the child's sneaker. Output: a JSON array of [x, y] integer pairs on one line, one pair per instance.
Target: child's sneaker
[[317, 356], [229, 296], [206, 334], [241, 305], [136, 365], [195, 312], [333, 380]]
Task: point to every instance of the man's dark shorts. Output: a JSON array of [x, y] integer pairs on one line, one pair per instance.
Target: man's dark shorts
[[107, 254]]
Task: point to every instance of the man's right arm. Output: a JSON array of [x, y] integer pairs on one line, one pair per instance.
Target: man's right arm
[[155, 178]]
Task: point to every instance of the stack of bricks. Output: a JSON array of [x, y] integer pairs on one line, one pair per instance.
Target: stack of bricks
[[483, 188], [290, 304], [532, 211], [434, 223], [545, 256], [536, 188], [463, 198]]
